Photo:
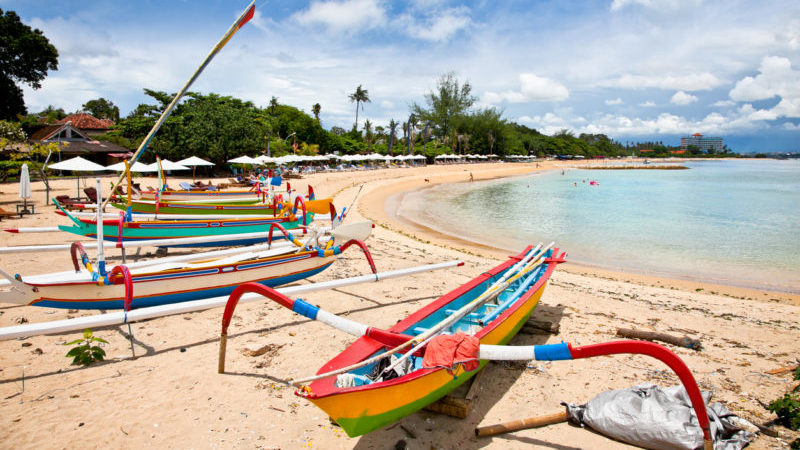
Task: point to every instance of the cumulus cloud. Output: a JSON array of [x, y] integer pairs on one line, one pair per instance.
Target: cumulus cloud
[[533, 88], [776, 79], [617, 101], [691, 82], [439, 26], [723, 103], [682, 98], [348, 16], [647, 104]]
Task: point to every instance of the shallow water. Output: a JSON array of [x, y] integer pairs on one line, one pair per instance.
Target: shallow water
[[727, 222]]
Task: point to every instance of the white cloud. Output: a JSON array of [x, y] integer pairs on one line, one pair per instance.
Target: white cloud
[[533, 88], [349, 16], [791, 126], [776, 79], [682, 98], [647, 104], [440, 25], [692, 82], [723, 103], [617, 101]]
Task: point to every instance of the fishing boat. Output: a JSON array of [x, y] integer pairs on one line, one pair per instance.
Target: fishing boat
[[137, 230], [388, 374], [361, 395], [174, 279], [262, 209]]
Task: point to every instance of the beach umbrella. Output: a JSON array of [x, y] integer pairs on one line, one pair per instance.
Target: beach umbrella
[[24, 186], [77, 164], [244, 159], [169, 165], [136, 167], [193, 162]]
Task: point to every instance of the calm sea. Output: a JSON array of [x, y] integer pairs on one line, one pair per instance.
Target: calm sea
[[727, 222]]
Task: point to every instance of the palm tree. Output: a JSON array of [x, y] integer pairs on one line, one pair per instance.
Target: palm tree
[[316, 109], [368, 133], [359, 96], [392, 128], [273, 104]]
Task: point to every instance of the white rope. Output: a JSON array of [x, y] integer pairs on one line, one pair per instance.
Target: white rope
[[412, 341]]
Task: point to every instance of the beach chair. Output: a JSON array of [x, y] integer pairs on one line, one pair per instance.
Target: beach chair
[[4, 213], [186, 186], [69, 203]]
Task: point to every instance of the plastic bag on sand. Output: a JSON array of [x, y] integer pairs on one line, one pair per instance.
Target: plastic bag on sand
[[658, 418]]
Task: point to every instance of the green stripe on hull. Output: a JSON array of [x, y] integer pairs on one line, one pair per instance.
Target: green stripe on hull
[[365, 424]]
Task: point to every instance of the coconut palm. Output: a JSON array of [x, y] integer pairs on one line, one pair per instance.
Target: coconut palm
[[392, 128], [316, 110], [273, 105], [359, 96], [368, 134]]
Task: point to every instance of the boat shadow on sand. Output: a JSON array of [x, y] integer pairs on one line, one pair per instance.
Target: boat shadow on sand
[[433, 430]]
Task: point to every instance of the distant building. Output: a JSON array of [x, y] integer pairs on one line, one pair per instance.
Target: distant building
[[87, 123], [75, 142], [704, 143]]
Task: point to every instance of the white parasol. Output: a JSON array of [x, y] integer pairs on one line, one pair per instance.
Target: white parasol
[[77, 164], [193, 162], [24, 187]]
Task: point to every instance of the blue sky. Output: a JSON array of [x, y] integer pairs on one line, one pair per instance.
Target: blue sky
[[633, 69]]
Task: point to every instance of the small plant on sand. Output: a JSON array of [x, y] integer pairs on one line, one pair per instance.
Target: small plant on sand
[[84, 352], [788, 407]]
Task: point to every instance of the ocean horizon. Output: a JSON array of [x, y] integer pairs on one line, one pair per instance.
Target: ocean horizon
[[730, 222]]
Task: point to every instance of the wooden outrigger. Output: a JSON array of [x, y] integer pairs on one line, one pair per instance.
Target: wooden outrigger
[[161, 282], [387, 374]]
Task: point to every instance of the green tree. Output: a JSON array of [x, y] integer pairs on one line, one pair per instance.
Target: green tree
[[25, 57], [359, 96], [102, 109], [450, 100], [316, 110]]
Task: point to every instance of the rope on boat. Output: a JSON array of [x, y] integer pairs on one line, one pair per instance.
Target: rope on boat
[[532, 260], [403, 346]]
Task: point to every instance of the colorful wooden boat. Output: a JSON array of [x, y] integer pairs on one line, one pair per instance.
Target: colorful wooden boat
[[156, 283], [364, 408], [262, 209], [139, 230], [363, 391]]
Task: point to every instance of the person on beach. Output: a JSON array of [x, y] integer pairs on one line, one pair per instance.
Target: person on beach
[[471, 178]]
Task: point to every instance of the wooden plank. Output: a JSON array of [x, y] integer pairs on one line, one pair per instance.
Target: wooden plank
[[459, 402]]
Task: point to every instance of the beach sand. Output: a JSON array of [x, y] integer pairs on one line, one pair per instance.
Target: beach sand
[[170, 395]]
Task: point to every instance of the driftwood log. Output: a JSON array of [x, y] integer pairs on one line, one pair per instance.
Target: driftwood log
[[685, 341], [539, 327], [522, 424]]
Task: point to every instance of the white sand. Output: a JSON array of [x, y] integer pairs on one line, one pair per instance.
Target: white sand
[[171, 396]]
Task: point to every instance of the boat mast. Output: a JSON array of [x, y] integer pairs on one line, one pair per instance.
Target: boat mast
[[243, 19]]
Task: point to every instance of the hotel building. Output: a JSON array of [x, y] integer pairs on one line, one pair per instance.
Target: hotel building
[[702, 142]]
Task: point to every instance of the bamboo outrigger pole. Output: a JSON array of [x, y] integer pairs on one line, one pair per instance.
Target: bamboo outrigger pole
[[243, 19]]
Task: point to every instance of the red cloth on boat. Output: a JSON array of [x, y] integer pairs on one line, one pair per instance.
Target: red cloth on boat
[[449, 350]]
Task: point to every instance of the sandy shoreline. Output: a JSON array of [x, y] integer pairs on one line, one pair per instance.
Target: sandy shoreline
[[171, 396]]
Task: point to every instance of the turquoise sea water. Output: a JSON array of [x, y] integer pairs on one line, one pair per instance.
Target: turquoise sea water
[[728, 222]]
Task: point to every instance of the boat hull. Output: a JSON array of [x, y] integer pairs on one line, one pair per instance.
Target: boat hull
[[174, 286], [362, 409], [147, 230], [317, 206], [222, 196]]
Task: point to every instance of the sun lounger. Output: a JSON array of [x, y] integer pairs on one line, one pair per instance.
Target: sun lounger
[[4, 213]]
